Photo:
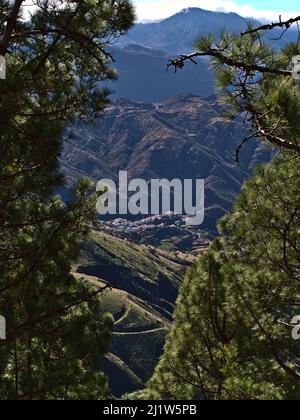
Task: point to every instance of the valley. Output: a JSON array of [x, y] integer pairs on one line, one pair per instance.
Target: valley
[[158, 125], [144, 286], [184, 137]]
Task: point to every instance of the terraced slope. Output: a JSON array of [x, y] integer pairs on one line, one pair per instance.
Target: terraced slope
[[144, 284]]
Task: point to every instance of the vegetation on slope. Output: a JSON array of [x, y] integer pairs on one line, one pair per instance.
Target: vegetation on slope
[[144, 285], [232, 334]]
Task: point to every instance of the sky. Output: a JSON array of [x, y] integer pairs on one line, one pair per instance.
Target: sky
[[261, 9]]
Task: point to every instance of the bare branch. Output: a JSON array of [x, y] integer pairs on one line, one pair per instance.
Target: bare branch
[[268, 27], [239, 148], [272, 138]]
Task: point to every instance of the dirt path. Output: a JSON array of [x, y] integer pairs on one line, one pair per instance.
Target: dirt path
[[141, 332]]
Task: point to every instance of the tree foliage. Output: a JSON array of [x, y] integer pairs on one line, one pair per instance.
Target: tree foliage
[[232, 332], [255, 80], [56, 63]]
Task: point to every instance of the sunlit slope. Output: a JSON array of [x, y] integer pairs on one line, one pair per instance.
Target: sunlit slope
[[144, 284]]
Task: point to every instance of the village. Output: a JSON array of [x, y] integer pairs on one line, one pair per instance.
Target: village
[[168, 232]]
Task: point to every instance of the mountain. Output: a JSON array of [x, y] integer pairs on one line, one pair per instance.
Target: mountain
[[184, 137], [165, 232], [143, 76], [144, 286], [178, 33], [142, 56], [155, 134]]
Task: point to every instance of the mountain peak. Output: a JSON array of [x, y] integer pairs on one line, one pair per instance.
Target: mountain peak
[[177, 33], [199, 10], [190, 10]]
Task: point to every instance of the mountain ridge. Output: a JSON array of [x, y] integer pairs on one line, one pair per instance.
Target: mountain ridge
[[178, 33], [143, 75], [183, 137]]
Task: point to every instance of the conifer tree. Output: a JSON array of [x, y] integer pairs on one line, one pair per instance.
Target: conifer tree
[[56, 61], [232, 332]]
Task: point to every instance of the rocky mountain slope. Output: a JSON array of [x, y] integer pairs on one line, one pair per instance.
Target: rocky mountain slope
[[152, 136], [184, 137]]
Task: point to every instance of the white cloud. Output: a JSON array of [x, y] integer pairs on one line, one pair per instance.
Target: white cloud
[[28, 7], [159, 9]]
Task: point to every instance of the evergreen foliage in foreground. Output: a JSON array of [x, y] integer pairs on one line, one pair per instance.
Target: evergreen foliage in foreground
[[55, 63], [232, 332]]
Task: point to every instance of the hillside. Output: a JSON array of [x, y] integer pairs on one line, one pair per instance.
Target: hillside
[[144, 285], [177, 34], [141, 56], [184, 137], [142, 75]]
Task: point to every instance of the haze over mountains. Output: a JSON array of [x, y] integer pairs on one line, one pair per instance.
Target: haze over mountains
[[177, 34], [142, 56], [143, 75], [183, 137]]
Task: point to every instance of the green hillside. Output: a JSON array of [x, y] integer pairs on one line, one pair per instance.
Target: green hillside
[[144, 284]]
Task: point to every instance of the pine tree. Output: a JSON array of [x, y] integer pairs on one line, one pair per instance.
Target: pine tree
[[256, 82], [232, 331], [56, 63]]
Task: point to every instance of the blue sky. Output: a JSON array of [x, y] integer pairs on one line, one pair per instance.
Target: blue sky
[[262, 9], [291, 5]]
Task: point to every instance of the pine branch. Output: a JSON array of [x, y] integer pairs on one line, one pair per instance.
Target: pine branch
[[268, 27], [54, 314], [82, 39], [179, 62], [272, 138], [11, 25]]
